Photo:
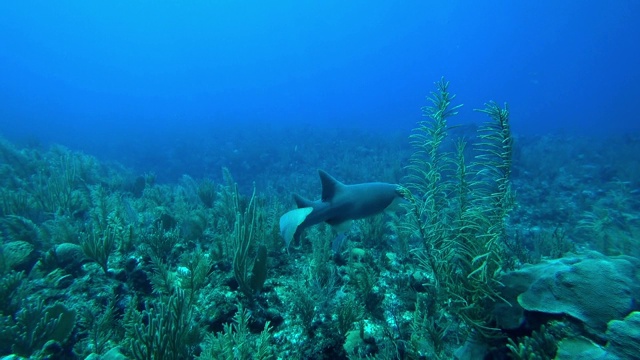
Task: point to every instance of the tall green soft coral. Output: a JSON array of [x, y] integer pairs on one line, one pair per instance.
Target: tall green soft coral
[[236, 343], [540, 345], [10, 282], [101, 327], [98, 246], [25, 333], [458, 210], [249, 271], [478, 243], [166, 334]]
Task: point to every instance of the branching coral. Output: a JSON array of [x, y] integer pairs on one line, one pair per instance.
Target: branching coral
[[98, 247], [235, 341], [459, 210], [250, 271], [34, 325], [165, 334]]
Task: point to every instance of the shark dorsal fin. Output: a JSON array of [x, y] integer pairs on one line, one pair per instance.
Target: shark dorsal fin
[[330, 186], [302, 202]]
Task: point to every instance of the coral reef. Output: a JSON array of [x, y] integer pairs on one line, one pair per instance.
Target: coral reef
[[101, 261]]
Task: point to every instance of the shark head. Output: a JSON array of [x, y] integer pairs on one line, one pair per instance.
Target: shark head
[[339, 205]]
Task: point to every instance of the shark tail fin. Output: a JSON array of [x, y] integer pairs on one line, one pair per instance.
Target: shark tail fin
[[330, 186], [290, 221]]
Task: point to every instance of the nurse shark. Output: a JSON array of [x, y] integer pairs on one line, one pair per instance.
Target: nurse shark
[[339, 206]]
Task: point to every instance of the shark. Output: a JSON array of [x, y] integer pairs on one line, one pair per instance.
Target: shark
[[339, 205]]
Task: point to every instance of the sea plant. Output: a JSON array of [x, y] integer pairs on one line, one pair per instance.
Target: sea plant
[[458, 210], [99, 245], [101, 326], [235, 342], [163, 330], [197, 267], [29, 329], [250, 271], [538, 346]]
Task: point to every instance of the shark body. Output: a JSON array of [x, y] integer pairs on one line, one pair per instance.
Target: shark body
[[339, 205]]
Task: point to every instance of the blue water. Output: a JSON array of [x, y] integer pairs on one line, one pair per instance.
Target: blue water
[[158, 99], [104, 76]]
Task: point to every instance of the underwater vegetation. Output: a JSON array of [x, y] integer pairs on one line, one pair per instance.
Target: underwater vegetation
[[503, 249]]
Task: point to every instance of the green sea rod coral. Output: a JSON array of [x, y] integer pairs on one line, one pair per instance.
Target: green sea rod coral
[[99, 246], [35, 324], [235, 342], [166, 334], [458, 209]]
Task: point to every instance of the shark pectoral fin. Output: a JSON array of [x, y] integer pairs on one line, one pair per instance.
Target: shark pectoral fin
[[290, 221], [395, 205], [341, 226]]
